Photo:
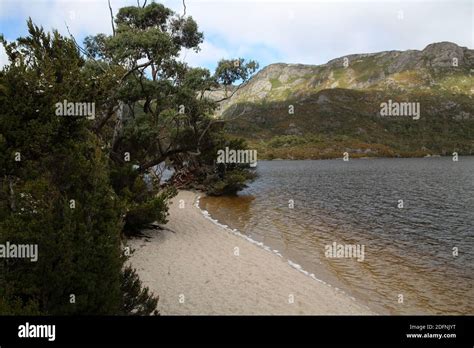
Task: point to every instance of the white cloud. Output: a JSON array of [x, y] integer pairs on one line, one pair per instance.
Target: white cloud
[[82, 16], [316, 31], [3, 57], [289, 31], [209, 54]]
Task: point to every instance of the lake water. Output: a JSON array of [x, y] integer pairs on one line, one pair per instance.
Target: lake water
[[408, 251]]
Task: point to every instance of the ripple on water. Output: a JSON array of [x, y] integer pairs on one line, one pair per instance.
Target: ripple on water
[[408, 251]]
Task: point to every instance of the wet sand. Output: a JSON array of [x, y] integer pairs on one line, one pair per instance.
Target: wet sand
[[198, 267]]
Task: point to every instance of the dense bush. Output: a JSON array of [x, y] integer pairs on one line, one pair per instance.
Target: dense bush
[[74, 185]]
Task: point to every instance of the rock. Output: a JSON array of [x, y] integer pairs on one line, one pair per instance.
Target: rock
[[398, 71]]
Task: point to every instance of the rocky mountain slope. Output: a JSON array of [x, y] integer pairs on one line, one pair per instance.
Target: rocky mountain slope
[[336, 106]]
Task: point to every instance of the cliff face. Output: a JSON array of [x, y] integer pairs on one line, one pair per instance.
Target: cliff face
[[434, 68], [350, 90]]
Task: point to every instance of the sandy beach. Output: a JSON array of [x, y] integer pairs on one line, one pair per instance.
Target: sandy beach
[[198, 267]]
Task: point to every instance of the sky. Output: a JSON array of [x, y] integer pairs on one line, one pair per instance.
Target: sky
[[269, 31]]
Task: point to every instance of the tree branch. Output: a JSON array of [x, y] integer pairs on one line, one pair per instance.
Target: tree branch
[[112, 18], [184, 9], [144, 65], [235, 90], [12, 194], [145, 166], [83, 51], [110, 111]]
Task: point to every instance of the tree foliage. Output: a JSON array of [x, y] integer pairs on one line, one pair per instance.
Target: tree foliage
[[82, 183]]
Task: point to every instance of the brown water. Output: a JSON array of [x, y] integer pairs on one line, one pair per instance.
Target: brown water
[[408, 251]]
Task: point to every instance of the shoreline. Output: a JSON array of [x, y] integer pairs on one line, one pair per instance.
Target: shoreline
[[198, 266], [359, 158]]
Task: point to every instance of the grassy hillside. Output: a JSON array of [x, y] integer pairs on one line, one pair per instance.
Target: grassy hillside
[[337, 107]]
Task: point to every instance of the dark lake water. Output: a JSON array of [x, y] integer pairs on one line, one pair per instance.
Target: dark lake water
[[409, 251]]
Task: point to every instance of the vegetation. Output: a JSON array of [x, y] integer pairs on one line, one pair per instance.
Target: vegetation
[[330, 122], [74, 185]]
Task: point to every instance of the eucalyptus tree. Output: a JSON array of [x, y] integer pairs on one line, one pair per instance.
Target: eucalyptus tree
[[158, 107], [73, 185]]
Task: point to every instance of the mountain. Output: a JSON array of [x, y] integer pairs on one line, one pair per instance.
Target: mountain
[[337, 106]]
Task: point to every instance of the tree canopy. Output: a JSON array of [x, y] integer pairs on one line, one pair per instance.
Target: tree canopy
[[75, 186]]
